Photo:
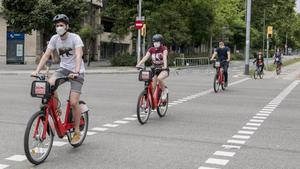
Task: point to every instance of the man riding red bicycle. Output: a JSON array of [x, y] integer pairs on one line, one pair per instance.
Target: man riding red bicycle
[[223, 53], [69, 47]]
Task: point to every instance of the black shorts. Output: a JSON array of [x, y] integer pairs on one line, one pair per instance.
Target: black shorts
[[157, 71]]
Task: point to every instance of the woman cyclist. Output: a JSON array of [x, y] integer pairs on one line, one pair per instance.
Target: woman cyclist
[[160, 71]]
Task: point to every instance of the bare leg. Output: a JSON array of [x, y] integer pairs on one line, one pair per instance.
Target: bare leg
[[74, 99], [163, 75]]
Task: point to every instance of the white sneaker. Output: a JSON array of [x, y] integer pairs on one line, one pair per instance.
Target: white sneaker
[[164, 94]]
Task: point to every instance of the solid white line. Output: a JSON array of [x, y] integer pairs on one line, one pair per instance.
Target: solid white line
[[129, 118], [239, 81], [224, 153], [252, 124], [250, 128], [134, 115], [236, 141], [110, 125], [99, 129], [268, 112], [90, 133], [245, 132], [59, 143], [170, 104], [201, 167], [16, 158], [216, 161], [2, 166], [230, 147], [258, 121], [260, 114], [259, 117], [240, 137], [121, 122]]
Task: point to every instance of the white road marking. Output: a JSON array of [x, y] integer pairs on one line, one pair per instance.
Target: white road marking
[[230, 147], [99, 129], [236, 141], [18, 158], [90, 133], [256, 121], [259, 117], [224, 153], [252, 124], [250, 128], [240, 137], [129, 118], [245, 132], [207, 168], [260, 114], [216, 161], [268, 112], [134, 115], [110, 125], [59, 143], [121, 122], [2, 166]]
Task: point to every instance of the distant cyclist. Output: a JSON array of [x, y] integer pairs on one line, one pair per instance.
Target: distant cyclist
[[158, 54], [259, 60], [278, 57], [223, 53]]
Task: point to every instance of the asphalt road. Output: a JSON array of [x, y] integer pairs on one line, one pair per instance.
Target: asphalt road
[[194, 134]]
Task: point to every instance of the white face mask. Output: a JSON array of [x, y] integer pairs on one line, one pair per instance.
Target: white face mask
[[60, 30], [156, 44]]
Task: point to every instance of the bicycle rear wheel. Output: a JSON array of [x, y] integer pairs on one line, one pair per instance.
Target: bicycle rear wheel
[[255, 74], [143, 108], [162, 106], [36, 148], [84, 124], [216, 84]]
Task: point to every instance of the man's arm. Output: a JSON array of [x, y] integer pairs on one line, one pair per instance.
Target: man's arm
[[44, 59], [229, 56], [213, 56], [165, 55], [78, 54]]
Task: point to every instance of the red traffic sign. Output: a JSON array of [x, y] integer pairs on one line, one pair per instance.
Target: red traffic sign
[[139, 24]]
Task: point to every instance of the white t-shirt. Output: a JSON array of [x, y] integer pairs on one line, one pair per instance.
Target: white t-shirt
[[66, 50]]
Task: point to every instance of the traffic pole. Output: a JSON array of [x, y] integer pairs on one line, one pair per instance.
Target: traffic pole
[[139, 32], [248, 37]]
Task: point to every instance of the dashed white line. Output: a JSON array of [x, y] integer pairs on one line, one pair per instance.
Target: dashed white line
[[207, 168], [18, 158], [252, 124], [99, 129], [245, 132], [249, 128], [240, 137], [260, 114], [230, 146], [2, 166], [90, 133], [267, 109], [224, 153], [110, 125], [121, 122], [129, 118], [268, 112], [216, 161], [236, 141], [256, 121], [59, 143], [259, 117]]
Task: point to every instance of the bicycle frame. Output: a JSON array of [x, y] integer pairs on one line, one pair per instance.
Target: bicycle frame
[[60, 127], [153, 97], [220, 75]]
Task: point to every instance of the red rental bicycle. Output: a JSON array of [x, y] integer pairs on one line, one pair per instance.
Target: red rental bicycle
[[219, 79], [147, 100], [41, 127]]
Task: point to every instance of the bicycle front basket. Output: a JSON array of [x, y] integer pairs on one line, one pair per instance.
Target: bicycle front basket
[[217, 64], [145, 75], [40, 89]]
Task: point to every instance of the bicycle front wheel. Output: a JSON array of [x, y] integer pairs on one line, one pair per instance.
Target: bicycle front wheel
[[255, 74], [143, 108], [216, 84], [36, 147]]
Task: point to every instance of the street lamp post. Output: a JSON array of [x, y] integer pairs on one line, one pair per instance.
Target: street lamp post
[[247, 37], [138, 44]]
